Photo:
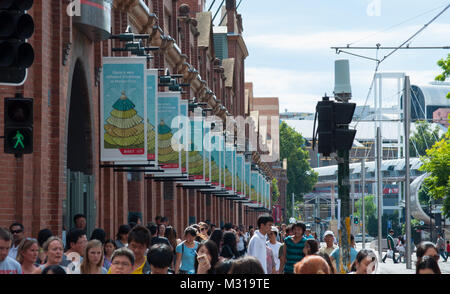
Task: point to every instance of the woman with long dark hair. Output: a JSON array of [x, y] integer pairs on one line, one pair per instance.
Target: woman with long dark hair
[[217, 237], [207, 258], [365, 262], [427, 265], [229, 247]]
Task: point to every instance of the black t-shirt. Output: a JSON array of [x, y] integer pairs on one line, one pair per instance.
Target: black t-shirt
[[159, 240]]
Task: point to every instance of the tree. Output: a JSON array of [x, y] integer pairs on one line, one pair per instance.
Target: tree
[[275, 190], [423, 138], [300, 175], [445, 65], [437, 163], [369, 207]]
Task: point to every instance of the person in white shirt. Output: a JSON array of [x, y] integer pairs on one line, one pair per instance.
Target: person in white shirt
[[16, 230], [275, 246], [257, 245]]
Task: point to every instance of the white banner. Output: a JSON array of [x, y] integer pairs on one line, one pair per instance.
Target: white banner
[[123, 99]]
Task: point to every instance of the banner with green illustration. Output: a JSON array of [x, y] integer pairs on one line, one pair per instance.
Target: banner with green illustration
[[123, 110], [207, 149], [196, 158], [229, 167], [169, 158], [215, 145], [254, 187], [240, 174], [183, 137], [152, 114], [247, 180]]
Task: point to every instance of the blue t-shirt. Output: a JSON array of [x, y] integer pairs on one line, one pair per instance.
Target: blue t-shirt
[[10, 266], [336, 255], [188, 257]]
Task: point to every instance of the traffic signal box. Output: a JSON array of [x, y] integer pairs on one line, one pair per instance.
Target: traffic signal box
[[333, 132], [18, 128], [16, 55]]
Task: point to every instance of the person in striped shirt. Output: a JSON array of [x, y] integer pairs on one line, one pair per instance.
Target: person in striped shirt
[[293, 249]]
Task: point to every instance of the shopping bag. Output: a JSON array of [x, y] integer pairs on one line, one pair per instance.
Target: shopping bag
[[390, 253]]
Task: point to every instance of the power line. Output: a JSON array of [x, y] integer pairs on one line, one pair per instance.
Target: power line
[[396, 25], [338, 48], [418, 32]]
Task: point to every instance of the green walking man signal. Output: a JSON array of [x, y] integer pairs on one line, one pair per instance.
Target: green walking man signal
[[19, 140], [18, 127]]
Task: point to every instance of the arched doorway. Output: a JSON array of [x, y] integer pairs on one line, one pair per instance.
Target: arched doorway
[[80, 182]]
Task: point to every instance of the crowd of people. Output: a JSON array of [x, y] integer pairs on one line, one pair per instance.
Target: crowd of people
[[202, 248]]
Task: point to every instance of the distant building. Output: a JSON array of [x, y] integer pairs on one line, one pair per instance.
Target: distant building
[[440, 116]]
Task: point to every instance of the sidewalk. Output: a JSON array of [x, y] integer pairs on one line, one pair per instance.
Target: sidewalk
[[400, 268]]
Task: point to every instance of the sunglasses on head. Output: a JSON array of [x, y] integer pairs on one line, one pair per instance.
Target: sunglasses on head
[[16, 231]]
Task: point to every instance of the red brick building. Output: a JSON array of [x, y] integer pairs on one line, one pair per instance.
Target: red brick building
[[63, 175]]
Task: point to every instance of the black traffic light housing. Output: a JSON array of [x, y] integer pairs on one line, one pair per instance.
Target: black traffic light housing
[[18, 127], [355, 220], [332, 131], [16, 55]]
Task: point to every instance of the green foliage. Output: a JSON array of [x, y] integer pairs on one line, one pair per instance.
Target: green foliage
[[445, 65], [275, 191], [422, 139], [369, 207], [437, 163], [424, 195], [300, 175]]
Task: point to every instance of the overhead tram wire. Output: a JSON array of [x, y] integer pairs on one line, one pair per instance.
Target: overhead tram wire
[[418, 32], [392, 52], [396, 25]]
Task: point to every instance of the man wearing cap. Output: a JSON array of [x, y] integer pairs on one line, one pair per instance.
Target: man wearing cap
[[275, 246], [308, 233], [328, 237]]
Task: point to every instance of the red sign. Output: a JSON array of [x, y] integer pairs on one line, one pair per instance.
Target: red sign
[[132, 151], [276, 212], [390, 191]]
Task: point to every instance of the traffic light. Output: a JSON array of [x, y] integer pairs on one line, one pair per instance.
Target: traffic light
[[325, 128], [18, 125], [355, 220], [16, 55], [332, 130]]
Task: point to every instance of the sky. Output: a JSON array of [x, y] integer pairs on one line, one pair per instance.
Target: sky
[[289, 45]]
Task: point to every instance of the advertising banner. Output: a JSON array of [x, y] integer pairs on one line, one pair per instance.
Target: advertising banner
[[222, 161], [196, 162], [207, 149], [254, 187], [240, 174], [123, 110], [169, 158], [215, 140], [184, 136], [229, 167], [247, 180], [152, 114]]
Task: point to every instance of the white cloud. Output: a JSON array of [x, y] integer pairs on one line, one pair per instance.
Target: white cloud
[[300, 90], [325, 40]]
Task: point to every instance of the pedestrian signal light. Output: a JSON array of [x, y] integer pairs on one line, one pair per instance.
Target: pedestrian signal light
[[356, 220], [18, 127]]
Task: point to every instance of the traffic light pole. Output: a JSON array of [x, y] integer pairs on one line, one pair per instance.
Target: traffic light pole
[[344, 196]]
